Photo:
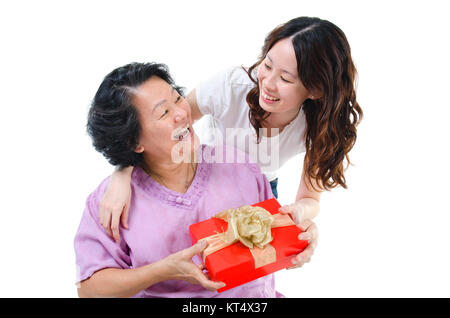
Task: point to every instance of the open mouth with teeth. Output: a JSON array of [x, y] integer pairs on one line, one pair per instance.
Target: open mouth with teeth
[[182, 133], [269, 98]]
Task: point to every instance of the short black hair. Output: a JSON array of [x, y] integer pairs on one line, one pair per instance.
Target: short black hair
[[113, 120]]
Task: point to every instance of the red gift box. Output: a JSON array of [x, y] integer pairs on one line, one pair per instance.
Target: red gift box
[[235, 264]]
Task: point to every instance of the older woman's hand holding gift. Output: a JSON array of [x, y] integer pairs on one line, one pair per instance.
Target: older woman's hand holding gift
[[180, 266]]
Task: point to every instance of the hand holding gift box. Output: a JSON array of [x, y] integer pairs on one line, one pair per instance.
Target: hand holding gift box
[[248, 243]]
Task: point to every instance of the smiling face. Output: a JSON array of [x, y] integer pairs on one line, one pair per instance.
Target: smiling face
[[281, 90], [165, 120]]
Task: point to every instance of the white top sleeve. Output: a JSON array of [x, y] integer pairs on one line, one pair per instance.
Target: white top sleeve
[[214, 94]]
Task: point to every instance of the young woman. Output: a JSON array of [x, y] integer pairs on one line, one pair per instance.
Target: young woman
[[302, 92]]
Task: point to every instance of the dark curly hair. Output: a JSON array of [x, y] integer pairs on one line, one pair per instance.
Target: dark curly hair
[[324, 63], [113, 121]]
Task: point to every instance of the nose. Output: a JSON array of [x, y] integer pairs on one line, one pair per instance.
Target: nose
[[180, 115], [269, 83]]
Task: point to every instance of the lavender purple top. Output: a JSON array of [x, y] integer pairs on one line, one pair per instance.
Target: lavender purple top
[[159, 222]]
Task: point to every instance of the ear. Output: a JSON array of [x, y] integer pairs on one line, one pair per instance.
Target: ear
[[139, 149], [315, 94]]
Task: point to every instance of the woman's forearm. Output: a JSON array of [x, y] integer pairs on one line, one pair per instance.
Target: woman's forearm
[[124, 173], [308, 198], [114, 282]]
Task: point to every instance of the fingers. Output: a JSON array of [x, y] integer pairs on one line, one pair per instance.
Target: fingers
[[102, 213], [211, 285], [199, 276], [110, 219], [305, 224], [196, 248], [124, 216], [115, 219], [311, 235], [305, 236], [295, 210], [286, 209], [107, 223], [114, 209], [208, 284], [193, 273], [302, 258], [105, 216]]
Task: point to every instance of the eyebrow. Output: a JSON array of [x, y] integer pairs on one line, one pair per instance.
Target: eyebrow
[[161, 102], [282, 69]]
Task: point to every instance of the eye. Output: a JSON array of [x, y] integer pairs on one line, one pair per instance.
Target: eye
[[165, 112], [178, 99], [267, 66], [285, 80]]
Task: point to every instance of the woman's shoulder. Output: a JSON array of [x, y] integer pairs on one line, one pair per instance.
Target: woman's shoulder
[[238, 76], [222, 90]]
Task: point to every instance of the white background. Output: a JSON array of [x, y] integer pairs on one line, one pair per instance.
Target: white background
[[386, 236]]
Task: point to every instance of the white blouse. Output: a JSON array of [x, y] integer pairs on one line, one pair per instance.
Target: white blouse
[[224, 98]]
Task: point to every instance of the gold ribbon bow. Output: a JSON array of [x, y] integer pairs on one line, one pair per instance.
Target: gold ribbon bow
[[251, 225]]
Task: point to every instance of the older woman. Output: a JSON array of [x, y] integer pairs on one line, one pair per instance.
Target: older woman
[[139, 118]]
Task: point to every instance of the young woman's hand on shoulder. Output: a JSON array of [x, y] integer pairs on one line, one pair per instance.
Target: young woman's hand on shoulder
[[115, 203]]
